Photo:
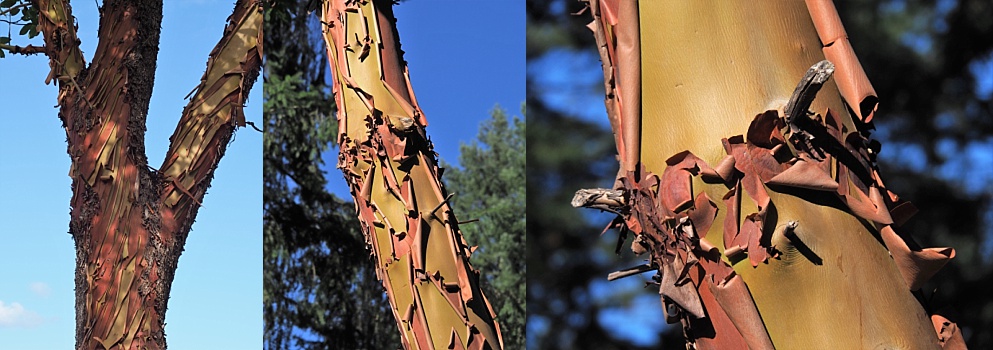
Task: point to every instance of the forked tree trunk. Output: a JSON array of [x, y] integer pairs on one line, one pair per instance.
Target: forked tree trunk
[[767, 223], [129, 221], [420, 254]]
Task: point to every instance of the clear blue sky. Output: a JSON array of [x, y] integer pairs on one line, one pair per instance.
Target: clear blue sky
[[218, 287], [483, 44]]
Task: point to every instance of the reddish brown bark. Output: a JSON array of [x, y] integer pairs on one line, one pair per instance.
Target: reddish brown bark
[[129, 221]]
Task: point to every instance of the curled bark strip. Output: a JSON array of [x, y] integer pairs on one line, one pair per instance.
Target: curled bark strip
[[949, 334], [737, 302], [628, 35], [683, 294], [915, 266], [617, 32], [806, 173], [850, 78]]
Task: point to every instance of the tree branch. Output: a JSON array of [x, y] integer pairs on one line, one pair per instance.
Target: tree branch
[[23, 50], [214, 111], [56, 22]]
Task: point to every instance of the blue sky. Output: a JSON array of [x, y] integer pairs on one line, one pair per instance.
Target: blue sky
[[218, 287]]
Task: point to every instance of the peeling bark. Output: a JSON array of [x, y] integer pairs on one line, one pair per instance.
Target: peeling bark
[[389, 163], [817, 226], [129, 221]]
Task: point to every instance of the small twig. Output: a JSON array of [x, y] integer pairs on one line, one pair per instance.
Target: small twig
[[630, 271], [468, 221], [252, 124], [7, 11], [16, 23], [431, 213]]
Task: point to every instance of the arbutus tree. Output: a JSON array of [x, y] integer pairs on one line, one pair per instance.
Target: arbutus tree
[[388, 161], [130, 221], [757, 197]]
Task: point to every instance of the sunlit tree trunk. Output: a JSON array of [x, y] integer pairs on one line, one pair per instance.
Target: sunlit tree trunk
[[128, 220], [420, 254], [764, 214]]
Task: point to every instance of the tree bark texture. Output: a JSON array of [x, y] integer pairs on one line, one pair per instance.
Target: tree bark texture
[[128, 220], [765, 231], [421, 256]]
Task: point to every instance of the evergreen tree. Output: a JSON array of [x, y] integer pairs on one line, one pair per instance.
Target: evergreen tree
[[490, 187]]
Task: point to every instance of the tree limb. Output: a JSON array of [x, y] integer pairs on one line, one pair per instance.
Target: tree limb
[[209, 120]]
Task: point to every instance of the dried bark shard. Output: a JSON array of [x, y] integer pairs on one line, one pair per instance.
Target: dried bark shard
[[736, 300], [949, 334], [684, 295], [915, 266], [600, 198], [807, 89], [806, 173]]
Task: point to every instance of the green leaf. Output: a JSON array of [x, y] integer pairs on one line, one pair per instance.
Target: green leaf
[[7, 3], [4, 40], [25, 29]]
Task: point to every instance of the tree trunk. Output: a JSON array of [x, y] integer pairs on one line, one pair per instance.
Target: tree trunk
[[710, 129], [420, 254], [129, 221]]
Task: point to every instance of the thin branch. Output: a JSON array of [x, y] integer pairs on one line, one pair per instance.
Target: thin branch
[[16, 23], [252, 124], [23, 50], [630, 271], [450, 195], [4, 12]]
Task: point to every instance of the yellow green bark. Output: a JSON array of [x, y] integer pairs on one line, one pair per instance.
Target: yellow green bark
[[421, 256], [821, 273]]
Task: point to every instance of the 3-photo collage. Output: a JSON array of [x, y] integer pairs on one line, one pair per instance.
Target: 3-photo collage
[[506, 174]]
